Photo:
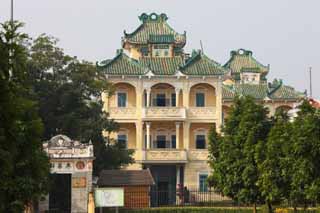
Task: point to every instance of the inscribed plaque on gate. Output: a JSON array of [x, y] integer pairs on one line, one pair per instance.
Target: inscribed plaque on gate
[[79, 182]]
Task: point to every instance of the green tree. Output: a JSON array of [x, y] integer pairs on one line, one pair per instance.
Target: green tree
[[304, 157], [235, 170], [24, 167], [273, 161], [69, 94]]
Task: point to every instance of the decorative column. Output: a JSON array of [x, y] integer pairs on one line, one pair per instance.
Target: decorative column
[[218, 94], [186, 130], [148, 90], [139, 99], [139, 138], [177, 96], [178, 175], [186, 95], [105, 99], [177, 135], [148, 124]]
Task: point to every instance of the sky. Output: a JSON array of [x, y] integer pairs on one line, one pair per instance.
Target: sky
[[282, 33]]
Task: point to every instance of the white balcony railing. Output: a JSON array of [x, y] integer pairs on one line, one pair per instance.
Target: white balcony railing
[[123, 112], [164, 113], [202, 112], [164, 155]]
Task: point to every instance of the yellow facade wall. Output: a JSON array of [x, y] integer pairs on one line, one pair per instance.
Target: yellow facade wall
[[209, 91], [194, 127], [131, 95], [191, 173], [135, 53], [131, 131]]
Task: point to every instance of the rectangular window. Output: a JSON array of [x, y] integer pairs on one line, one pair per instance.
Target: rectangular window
[[161, 141], [123, 140], [173, 99], [200, 141], [160, 50], [161, 100], [173, 142], [200, 99], [203, 185], [122, 99]]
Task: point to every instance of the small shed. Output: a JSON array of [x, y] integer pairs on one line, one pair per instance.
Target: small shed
[[136, 184]]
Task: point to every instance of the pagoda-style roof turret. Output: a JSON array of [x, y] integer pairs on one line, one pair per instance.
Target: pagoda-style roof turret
[[242, 61], [154, 29], [273, 91]]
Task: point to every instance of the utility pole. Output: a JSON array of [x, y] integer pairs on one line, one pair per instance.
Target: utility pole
[[11, 11], [310, 79], [201, 46]]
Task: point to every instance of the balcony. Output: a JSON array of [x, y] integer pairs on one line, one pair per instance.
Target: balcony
[[198, 154], [164, 156], [202, 113], [123, 113], [164, 113]]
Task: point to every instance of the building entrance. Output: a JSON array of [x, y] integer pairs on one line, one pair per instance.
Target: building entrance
[[164, 191], [60, 193]]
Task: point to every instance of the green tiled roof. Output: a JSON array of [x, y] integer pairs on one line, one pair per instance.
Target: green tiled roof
[[154, 29], [242, 61], [161, 39], [200, 64], [228, 92], [122, 65], [162, 65], [260, 91], [277, 91], [257, 91]]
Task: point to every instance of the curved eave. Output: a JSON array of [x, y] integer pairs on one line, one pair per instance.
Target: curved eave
[[128, 41]]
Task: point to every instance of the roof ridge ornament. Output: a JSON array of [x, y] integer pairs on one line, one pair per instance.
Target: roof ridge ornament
[[144, 17]]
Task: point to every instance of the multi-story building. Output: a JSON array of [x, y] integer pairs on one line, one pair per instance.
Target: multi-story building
[[166, 100]]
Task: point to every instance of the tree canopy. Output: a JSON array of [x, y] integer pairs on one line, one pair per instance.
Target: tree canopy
[[258, 159], [24, 166], [69, 93]]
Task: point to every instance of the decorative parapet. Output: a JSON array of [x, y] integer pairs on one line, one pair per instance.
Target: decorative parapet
[[164, 113], [68, 156], [164, 155], [202, 112], [198, 154], [123, 112]]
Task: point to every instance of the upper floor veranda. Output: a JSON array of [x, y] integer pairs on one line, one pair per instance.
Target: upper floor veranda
[[159, 98]]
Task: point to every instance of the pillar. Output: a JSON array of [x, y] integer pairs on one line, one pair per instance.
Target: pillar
[[148, 124], [148, 90], [177, 135], [177, 97], [186, 97], [178, 175], [139, 135], [105, 99], [186, 131], [218, 90]]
